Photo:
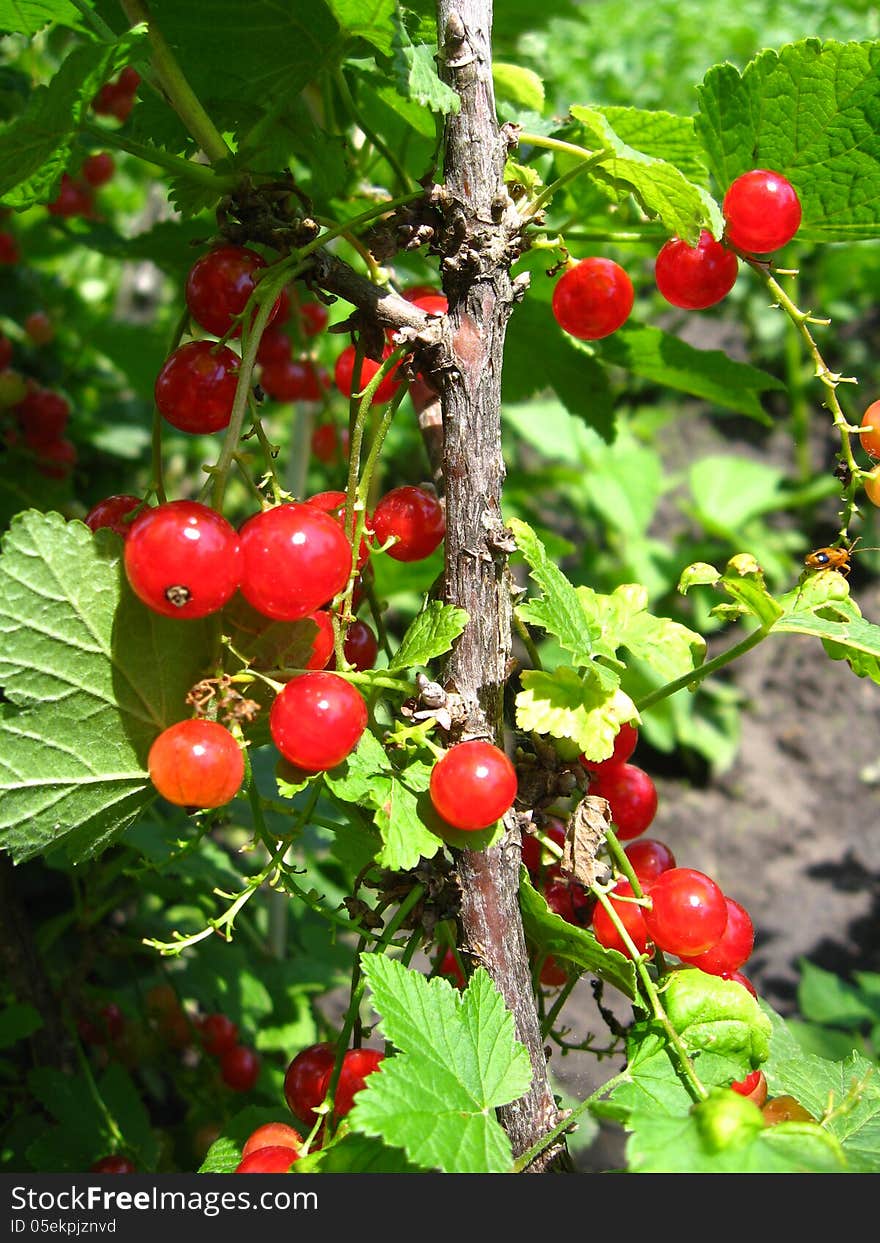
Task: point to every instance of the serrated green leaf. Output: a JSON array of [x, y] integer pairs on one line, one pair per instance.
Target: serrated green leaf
[[457, 1061], [26, 17], [35, 148], [661, 188], [16, 1023], [518, 85], [430, 634], [92, 677], [405, 837], [356, 1154], [666, 359], [221, 1158], [808, 111], [587, 707], [622, 620], [371, 20], [662, 135], [716, 1015], [416, 77], [824, 997], [364, 775], [843, 630], [559, 611]]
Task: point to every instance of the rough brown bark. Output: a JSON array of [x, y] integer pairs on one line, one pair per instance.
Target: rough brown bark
[[482, 239]]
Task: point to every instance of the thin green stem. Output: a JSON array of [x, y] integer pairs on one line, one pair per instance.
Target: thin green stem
[[527, 641], [97, 23], [557, 144], [269, 450], [202, 174], [555, 1010], [696, 676], [173, 81], [549, 190]]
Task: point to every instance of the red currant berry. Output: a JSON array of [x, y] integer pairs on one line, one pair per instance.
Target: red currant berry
[[330, 443], [292, 379], [449, 966], [129, 80], [56, 458], [361, 646], [322, 644], [6, 351], [195, 389], [72, 199], [687, 914], [624, 745], [552, 973], [294, 559], [632, 797], [754, 1087], [218, 1033], [183, 559], [761, 211], [631, 916], [196, 763], [739, 978], [416, 520], [473, 785], [534, 855], [273, 1159], [735, 946], [113, 1165], [357, 1064], [785, 1109], [9, 248], [313, 318], [695, 277], [219, 285], [566, 898], [333, 502], [649, 858], [240, 1068], [111, 513], [39, 327], [306, 1079], [272, 1135], [98, 169], [106, 1027], [431, 303], [345, 379], [593, 299], [42, 416], [869, 436], [872, 486], [420, 291], [274, 347], [317, 720]]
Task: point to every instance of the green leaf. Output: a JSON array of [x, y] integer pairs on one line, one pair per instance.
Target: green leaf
[[587, 707], [457, 1061], [26, 17], [824, 997], [367, 770], [666, 359], [729, 490], [430, 634], [16, 1023], [837, 621], [810, 112], [717, 1015], [662, 135], [36, 147], [371, 20], [622, 620], [356, 1154], [416, 77], [405, 837], [92, 677], [518, 85], [549, 933], [559, 611]]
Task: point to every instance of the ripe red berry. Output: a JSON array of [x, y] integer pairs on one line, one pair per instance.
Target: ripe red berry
[[552, 974], [72, 199], [317, 720], [55, 458], [129, 79], [649, 858], [593, 299], [754, 1087], [322, 644], [735, 946], [292, 379], [195, 389], [219, 285], [183, 559], [361, 646], [566, 898], [333, 502], [274, 347], [762, 211], [416, 520], [9, 248], [272, 1135], [111, 513], [218, 1034], [695, 277], [632, 797], [631, 916], [39, 327], [113, 1165], [449, 966], [114, 100], [345, 377], [240, 1068], [42, 416], [688, 913], [330, 443], [357, 1064], [98, 169], [534, 855], [739, 978], [196, 764], [473, 785], [313, 318], [624, 745], [431, 303], [273, 1159], [306, 1079], [295, 558], [869, 437]]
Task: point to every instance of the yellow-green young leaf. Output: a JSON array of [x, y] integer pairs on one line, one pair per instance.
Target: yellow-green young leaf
[[457, 1060], [667, 647], [662, 135], [91, 677], [518, 85], [431, 633], [587, 707], [700, 574], [26, 17], [661, 189], [823, 608], [808, 111], [558, 611]]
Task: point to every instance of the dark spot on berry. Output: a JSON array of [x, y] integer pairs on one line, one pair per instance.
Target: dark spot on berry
[[178, 595]]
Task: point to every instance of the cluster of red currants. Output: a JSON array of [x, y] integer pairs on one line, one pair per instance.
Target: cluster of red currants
[[762, 212], [117, 98], [76, 194]]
